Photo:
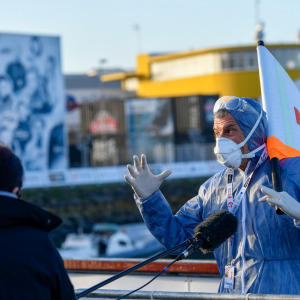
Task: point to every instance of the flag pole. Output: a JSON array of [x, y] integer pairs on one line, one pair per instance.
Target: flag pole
[[276, 180], [275, 167]]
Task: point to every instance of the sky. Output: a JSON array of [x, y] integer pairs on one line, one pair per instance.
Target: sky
[[108, 34]]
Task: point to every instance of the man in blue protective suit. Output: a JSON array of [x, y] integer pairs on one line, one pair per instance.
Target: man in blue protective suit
[[263, 256]]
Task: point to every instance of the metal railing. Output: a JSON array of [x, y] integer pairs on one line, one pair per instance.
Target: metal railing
[[114, 294]]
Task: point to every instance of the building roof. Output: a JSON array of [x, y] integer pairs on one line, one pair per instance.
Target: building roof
[[84, 81]]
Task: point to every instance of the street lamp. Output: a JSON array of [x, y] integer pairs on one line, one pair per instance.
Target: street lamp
[[97, 71], [136, 28]]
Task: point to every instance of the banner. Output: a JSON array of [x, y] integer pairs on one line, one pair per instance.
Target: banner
[[281, 101], [32, 104], [115, 174]]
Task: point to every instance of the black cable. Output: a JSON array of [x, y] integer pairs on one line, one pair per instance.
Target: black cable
[[166, 268], [127, 271]]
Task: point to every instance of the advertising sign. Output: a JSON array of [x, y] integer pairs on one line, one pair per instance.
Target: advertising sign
[[194, 119], [150, 129]]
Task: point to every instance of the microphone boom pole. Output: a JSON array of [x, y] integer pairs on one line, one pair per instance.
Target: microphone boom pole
[[209, 235], [125, 272]]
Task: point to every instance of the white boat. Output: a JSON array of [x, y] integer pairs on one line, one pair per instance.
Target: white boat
[[78, 245], [111, 240]]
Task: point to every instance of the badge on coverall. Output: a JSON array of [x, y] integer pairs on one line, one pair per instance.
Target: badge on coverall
[[229, 277]]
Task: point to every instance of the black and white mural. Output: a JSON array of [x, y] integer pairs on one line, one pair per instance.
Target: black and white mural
[[32, 106]]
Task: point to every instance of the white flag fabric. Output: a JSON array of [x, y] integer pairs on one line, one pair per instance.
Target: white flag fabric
[[281, 101]]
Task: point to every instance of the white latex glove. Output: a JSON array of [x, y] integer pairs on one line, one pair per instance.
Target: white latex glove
[[283, 200], [142, 181]]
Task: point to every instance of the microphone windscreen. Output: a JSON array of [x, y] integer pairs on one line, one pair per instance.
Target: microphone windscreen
[[215, 230]]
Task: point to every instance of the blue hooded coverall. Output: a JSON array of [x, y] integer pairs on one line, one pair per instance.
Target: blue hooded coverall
[[266, 248]]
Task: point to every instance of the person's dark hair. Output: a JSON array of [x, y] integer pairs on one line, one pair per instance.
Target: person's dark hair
[[221, 113], [11, 170]]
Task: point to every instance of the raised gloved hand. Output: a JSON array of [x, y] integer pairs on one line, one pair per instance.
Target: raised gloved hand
[[283, 200], [142, 181]]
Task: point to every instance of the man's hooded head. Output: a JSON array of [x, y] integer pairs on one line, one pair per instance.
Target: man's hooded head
[[246, 111]]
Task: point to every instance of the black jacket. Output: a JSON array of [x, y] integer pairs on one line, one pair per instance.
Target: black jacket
[[30, 265]]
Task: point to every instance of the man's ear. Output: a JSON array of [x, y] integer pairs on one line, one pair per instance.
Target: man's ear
[[16, 191]]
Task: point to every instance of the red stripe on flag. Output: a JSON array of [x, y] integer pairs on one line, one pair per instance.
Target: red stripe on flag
[[297, 114]]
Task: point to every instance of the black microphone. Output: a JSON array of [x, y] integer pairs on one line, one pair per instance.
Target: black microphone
[[212, 232]]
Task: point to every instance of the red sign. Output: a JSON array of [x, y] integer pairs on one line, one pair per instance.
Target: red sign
[[104, 123]]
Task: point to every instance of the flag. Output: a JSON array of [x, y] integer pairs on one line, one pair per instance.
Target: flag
[[281, 101]]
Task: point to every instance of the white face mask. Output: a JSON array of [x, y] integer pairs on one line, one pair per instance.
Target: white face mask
[[229, 152]]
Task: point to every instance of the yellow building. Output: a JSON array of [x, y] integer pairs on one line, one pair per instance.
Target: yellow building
[[215, 71]]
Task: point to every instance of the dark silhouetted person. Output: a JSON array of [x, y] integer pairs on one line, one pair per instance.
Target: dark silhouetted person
[[31, 267]]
